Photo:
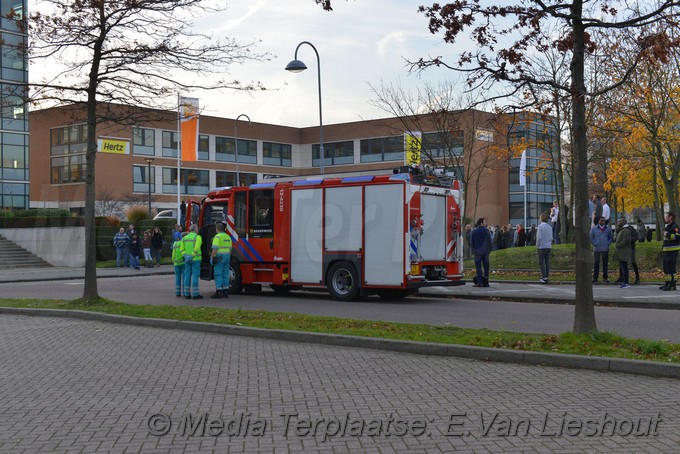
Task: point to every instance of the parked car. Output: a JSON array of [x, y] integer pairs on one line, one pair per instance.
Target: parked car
[[166, 214]]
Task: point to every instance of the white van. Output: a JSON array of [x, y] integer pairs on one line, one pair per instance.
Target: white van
[[166, 214]]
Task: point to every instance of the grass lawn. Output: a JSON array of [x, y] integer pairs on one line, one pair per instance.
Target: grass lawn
[[597, 344]]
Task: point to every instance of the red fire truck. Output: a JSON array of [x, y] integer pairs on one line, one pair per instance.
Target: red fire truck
[[387, 235]]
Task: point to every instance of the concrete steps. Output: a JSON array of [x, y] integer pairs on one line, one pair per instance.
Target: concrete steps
[[14, 256]]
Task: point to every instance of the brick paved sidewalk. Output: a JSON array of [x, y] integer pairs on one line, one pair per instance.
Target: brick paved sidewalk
[[78, 386]]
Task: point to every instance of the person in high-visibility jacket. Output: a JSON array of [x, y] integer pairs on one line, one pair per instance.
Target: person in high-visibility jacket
[[178, 262], [191, 252], [219, 259]]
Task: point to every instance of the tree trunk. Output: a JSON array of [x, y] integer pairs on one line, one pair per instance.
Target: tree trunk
[[584, 316]]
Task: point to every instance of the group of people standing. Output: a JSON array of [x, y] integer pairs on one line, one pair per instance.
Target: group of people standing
[[129, 247], [187, 256], [601, 237]]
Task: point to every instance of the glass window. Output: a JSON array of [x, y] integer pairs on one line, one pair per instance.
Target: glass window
[[203, 147], [170, 144], [335, 153], [224, 149], [13, 195], [240, 212], [192, 181], [247, 151], [442, 144], [223, 179], [68, 169], [261, 213], [12, 14], [14, 162], [141, 179], [382, 149], [144, 141], [277, 154]]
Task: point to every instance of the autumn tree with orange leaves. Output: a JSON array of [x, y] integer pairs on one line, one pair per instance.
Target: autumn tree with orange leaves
[[506, 36]]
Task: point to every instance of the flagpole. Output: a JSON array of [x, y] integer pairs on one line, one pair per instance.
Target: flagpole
[[179, 155]]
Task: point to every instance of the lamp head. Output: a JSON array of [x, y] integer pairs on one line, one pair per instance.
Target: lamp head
[[296, 66]]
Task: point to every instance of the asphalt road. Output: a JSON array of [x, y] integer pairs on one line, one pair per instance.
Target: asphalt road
[[653, 324]]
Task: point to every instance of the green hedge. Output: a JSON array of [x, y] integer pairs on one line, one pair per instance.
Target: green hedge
[[51, 221], [35, 213]]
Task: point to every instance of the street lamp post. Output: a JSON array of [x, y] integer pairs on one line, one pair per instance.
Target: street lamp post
[[148, 163], [238, 180], [296, 66]]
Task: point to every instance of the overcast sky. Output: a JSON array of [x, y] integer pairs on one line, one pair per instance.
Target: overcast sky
[[360, 42]]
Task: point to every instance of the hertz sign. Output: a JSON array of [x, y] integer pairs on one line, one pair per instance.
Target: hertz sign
[[115, 146]]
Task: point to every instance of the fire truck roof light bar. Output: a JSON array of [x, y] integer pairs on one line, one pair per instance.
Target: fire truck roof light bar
[[359, 179], [401, 176], [307, 182], [262, 185]]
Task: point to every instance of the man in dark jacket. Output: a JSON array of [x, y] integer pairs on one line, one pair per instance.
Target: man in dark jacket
[[671, 246], [480, 240], [623, 250]]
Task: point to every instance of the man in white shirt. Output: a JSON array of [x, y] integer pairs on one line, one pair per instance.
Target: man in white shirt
[[554, 221], [606, 212]]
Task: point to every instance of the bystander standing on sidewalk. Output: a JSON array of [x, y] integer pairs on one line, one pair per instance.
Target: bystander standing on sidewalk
[[601, 237], [177, 233], [467, 252], [671, 246], [597, 209], [146, 247], [129, 232], [481, 247], [120, 242], [135, 251], [634, 237], [641, 230], [157, 243], [544, 247], [623, 251], [555, 222], [606, 211]]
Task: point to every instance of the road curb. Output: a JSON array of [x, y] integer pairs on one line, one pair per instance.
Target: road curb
[[597, 363], [664, 305]]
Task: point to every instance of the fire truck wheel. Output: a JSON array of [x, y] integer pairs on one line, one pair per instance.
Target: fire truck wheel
[[235, 284], [343, 282]]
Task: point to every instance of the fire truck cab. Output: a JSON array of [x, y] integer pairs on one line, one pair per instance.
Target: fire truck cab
[[355, 236]]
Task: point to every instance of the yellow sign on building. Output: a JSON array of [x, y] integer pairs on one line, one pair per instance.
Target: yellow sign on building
[[413, 144], [115, 146]]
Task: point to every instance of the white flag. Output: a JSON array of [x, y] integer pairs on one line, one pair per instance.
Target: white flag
[[523, 169]]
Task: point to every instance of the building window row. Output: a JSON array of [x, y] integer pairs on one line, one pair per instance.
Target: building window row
[[14, 156], [278, 154], [13, 107]]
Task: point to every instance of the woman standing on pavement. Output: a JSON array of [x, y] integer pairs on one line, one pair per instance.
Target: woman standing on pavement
[[157, 244], [146, 246]]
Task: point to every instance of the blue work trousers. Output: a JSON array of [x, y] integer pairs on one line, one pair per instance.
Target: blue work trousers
[[192, 270], [179, 279], [221, 271]]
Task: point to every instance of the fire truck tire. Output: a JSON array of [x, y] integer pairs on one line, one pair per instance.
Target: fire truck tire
[[343, 282], [235, 284]]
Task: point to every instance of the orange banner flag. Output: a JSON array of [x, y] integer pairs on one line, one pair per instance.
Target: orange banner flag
[[188, 113]]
